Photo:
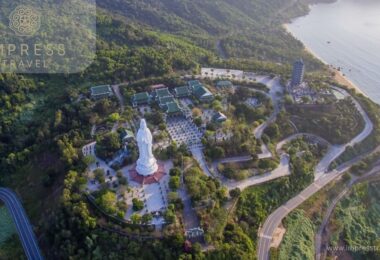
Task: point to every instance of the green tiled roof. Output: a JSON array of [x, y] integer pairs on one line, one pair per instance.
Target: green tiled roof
[[193, 83], [163, 92], [165, 100], [101, 90], [173, 107], [200, 91], [142, 96], [182, 91]]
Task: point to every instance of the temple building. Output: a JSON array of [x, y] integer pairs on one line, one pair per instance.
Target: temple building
[[100, 92]]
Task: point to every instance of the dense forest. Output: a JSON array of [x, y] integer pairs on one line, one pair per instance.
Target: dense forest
[[43, 124], [230, 28]]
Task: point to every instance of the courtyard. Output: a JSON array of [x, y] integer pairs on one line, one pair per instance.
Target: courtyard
[[154, 196], [184, 131]]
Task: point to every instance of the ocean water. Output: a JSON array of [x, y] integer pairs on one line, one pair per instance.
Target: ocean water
[[345, 34]]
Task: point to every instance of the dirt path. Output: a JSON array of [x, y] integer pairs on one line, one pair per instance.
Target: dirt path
[[220, 49], [116, 90]]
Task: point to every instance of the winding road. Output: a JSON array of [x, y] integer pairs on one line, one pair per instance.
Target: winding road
[[276, 92], [319, 250], [23, 226], [336, 150], [321, 180]]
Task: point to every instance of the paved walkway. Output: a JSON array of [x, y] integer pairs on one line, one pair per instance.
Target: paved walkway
[[190, 217]]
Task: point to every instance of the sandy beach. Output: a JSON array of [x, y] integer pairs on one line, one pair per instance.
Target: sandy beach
[[339, 78], [338, 75]]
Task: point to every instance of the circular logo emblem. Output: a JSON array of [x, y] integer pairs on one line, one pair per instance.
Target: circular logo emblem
[[25, 21]]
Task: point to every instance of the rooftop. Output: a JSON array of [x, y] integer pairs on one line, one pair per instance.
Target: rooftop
[[192, 83], [219, 117], [182, 91], [162, 92], [101, 90], [142, 96], [201, 91], [126, 134], [158, 86], [165, 100], [173, 107]]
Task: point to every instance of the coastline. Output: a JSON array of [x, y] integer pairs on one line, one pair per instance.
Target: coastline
[[335, 73], [343, 80]]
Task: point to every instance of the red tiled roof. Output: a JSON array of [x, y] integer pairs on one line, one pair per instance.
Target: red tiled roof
[[154, 178]]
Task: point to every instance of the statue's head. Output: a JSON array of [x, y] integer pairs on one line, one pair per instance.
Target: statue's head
[[143, 124]]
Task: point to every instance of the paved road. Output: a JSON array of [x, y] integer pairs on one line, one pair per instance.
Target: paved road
[[321, 180], [331, 208], [234, 159], [298, 135], [337, 150], [274, 220], [23, 226], [275, 87], [198, 155], [265, 152], [282, 170]]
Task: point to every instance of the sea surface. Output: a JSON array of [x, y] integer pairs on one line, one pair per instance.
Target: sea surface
[[345, 34]]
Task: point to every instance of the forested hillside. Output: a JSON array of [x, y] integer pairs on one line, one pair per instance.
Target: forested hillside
[[150, 38], [232, 28], [43, 123]]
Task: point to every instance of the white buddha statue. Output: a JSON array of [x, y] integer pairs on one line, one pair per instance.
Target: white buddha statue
[[146, 164]]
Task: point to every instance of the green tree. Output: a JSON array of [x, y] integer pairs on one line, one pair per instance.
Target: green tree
[[107, 201], [273, 131], [235, 193], [174, 182], [100, 175], [137, 204], [146, 219], [114, 117], [136, 218], [58, 118], [107, 145], [89, 159], [175, 171]]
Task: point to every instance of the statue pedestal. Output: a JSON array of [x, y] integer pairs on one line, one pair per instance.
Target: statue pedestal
[[147, 168], [155, 177]]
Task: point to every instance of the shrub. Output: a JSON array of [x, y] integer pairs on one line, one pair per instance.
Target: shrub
[[137, 204]]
